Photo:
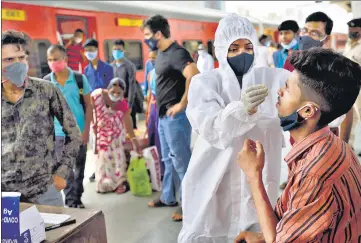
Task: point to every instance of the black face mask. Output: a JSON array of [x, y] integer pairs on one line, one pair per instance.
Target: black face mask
[[241, 63], [354, 35]]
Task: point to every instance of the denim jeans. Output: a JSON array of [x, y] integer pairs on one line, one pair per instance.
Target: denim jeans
[[175, 142], [74, 184]]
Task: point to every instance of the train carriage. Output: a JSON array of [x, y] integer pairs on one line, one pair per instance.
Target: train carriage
[[48, 22]]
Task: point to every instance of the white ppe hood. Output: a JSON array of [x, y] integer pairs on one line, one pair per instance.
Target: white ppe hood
[[217, 202]]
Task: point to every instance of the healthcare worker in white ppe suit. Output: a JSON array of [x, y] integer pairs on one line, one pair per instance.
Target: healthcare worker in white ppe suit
[[225, 106], [205, 61]]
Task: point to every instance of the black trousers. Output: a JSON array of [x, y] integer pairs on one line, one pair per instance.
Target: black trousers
[[134, 118], [74, 184]]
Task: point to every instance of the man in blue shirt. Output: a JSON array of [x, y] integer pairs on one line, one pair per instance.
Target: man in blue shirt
[[97, 72], [65, 79], [149, 66], [288, 31]]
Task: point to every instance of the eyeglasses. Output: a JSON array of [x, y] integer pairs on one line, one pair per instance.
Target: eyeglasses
[[313, 34]]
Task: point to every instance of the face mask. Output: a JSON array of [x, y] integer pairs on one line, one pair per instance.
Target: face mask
[[290, 45], [114, 98], [16, 73], [292, 121], [78, 40], [241, 63], [354, 35], [57, 66], [153, 62], [306, 42], [268, 44], [91, 55], [118, 64], [152, 43], [118, 54]]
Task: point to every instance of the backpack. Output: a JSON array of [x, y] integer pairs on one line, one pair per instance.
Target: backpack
[[79, 81], [138, 99]]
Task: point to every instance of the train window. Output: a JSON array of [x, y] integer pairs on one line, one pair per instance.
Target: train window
[[192, 47], [211, 49], [133, 51], [38, 60]]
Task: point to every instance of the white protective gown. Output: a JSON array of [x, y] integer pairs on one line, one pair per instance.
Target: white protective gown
[[205, 61], [217, 202]]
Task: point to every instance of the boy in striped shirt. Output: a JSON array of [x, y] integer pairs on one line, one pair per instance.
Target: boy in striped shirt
[[322, 199]]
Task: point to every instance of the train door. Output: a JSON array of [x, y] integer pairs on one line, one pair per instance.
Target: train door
[[66, 26]]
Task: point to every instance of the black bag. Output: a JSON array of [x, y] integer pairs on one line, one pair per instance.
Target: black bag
[[79, 81], [138, 99]]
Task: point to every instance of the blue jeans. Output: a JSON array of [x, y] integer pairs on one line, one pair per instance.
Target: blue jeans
[[175, 143]]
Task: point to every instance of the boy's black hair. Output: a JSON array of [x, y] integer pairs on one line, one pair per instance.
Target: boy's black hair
[[158, 23], [333, 77], [14, 37], [321, 17], [262, 37], [289, 25], [91, 42], [119, 43], [79, 31]]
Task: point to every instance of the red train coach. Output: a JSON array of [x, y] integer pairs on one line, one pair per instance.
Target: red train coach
[[48, 22]]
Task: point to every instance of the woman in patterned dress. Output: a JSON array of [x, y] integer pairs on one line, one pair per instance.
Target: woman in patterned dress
[[111, 122]]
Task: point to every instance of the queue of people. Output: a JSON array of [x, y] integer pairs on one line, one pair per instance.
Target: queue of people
[[229, 182]]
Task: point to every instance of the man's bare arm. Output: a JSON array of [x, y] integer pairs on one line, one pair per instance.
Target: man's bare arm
[[266, 216], [188, 72]]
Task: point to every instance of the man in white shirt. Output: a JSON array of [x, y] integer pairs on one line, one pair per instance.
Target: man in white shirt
[[205, 60], [264, 57], [353, 52]]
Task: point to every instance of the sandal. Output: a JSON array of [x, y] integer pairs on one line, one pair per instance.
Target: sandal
[[177, 213], [157, 203]]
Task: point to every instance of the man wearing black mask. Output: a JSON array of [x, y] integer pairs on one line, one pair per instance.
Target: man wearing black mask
[[175, 69], [353, 52]]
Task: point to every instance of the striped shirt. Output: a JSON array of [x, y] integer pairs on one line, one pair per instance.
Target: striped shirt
[[74, 56], [322, 199]]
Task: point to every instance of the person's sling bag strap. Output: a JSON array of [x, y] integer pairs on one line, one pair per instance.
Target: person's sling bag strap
[[79, 81]]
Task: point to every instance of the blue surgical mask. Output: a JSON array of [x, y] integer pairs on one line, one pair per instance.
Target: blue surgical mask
[[241, 63], [289, 45], [91, 55], [152, 43], [16, 73], [268, 44], [118, 64], [292, 121], [118, 54], [306, 42]]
